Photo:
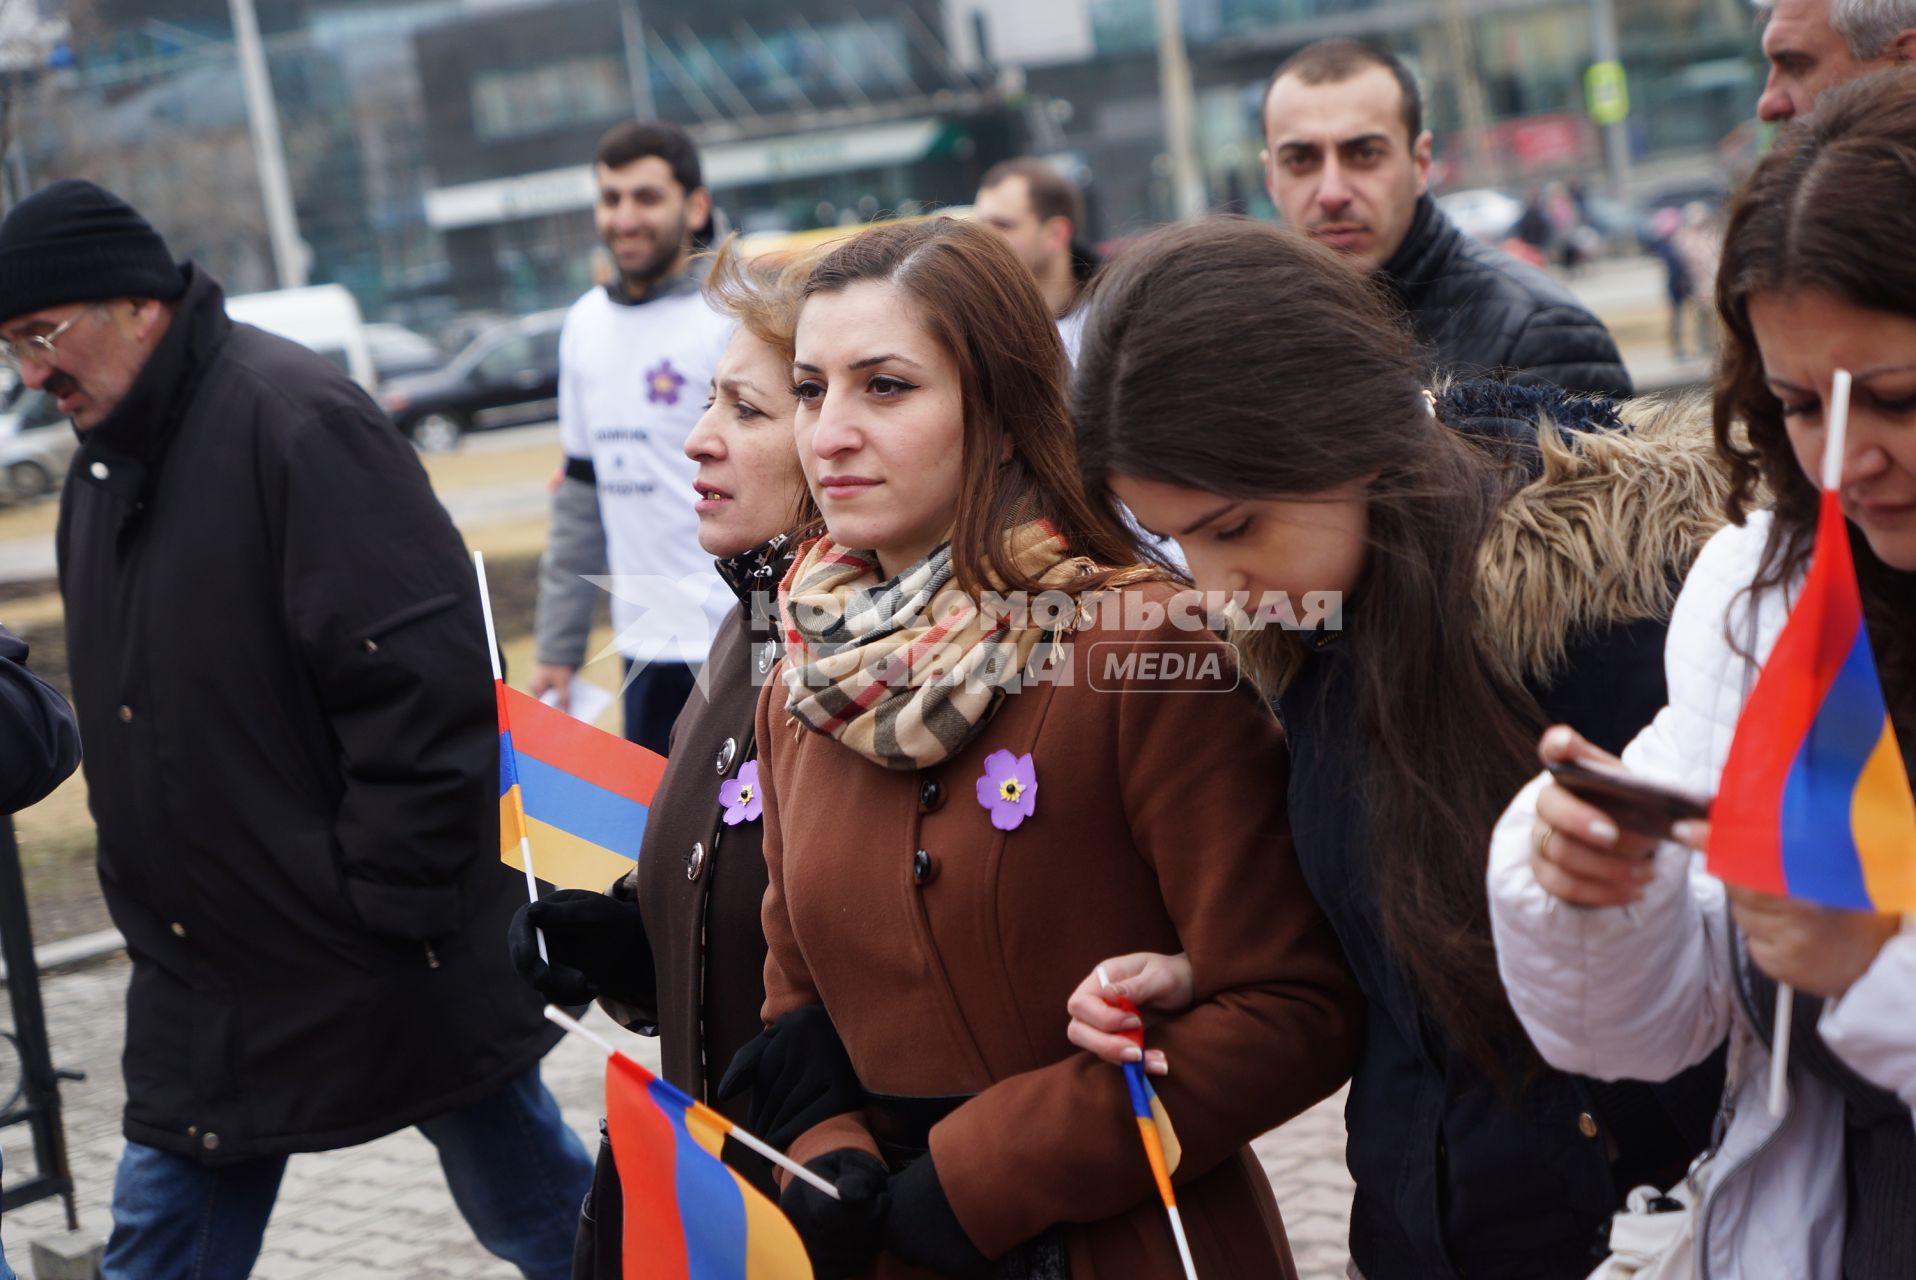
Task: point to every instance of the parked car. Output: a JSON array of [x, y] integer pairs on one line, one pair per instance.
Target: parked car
[[321, 317], [36, 446], [507, 375], [399, 352], [1482, 213]]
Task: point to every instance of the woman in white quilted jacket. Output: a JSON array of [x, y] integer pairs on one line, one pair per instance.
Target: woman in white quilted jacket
[[1622, 957]]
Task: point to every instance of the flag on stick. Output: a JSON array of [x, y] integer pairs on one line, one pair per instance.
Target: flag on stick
[[1814, 802], [576, 795], [689, 1216], [1161, 1148], [573, 796]]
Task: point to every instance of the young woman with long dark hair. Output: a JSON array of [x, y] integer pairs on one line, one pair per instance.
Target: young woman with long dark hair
[[1659, 960], [978, 778], [1505, 558]]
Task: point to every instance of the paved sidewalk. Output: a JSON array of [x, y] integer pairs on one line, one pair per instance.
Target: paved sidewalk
[[382, 1209]]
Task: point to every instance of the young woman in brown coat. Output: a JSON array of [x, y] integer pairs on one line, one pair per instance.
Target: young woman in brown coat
[[967, 801]]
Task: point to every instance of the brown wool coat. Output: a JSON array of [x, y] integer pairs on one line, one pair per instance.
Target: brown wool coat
[[1160, 825], [704, 927]]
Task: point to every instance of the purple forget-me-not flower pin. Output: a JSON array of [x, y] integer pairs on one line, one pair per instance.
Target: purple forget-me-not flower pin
[[1009, 789], [740, 795]]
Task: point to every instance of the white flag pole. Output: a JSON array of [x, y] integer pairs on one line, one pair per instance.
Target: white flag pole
[[498, 673], [739, 1135], [1833, 450]]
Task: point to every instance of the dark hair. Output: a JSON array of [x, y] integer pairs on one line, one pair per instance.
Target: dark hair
[[637, 139], [1446, 739], [975, 298], [1052, 194], [1335, 61], [1831, 207]]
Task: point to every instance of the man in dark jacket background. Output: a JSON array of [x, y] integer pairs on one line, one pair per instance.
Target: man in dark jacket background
[[1347, 162], [282, 682], [39, 744]]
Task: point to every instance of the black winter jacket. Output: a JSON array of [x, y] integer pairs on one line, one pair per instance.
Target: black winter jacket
[[282, 682], [39, 743], [1455, 1175], [1479, 312]]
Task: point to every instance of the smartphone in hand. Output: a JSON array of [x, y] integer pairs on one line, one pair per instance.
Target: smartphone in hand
[[1637, 804]]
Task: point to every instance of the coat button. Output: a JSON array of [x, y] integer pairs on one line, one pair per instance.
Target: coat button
[[727, 752], [99, 471], [765, 658], [924, 868], [929, 794], [211, 1141], [1587, 1125], [126, 714], [179, 930], [372, 646], [695, 861]]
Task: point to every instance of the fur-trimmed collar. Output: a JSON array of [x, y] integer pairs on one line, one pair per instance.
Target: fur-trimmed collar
[[1603, 536]]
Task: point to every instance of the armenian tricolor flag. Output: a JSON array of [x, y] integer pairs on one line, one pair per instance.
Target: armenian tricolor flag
[[577, 795], [1161, 1149], [1814, 802], [688, 1216]]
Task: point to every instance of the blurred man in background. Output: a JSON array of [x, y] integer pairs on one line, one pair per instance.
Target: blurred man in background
[[635, 358], [1347, 162], [1813, 44], [1040, 213]]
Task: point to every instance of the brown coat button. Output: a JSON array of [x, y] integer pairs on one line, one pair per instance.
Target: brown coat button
[[1587, 1125], [924, 868]]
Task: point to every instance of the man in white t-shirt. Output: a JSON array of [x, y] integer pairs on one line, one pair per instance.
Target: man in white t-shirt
[[635, 358], [1040, 213]]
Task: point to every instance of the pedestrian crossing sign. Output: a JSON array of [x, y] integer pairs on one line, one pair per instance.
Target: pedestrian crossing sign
[[1607, 93]]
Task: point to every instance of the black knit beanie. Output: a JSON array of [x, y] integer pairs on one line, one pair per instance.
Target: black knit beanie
[[76, 242]]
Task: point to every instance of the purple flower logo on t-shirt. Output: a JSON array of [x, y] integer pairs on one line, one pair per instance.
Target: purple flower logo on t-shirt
[[662, 383]]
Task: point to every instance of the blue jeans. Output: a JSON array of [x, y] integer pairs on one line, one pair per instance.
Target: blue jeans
[[516, 1172], [653, 699]]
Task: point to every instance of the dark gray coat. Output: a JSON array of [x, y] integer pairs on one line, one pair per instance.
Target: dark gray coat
[[1480, 313], [281, 678]]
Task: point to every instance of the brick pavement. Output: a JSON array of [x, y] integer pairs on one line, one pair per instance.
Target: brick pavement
[[382, 1209]]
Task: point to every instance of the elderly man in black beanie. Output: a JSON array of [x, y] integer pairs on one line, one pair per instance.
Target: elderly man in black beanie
[[281, 678]]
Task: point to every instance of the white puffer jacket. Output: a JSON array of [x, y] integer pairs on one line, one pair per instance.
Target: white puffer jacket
[[1643, 992]]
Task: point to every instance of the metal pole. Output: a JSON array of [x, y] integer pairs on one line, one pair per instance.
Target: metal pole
[[269, 152], [1180, 112], [39, 1082], [1472, 109], [632, 28], [1616, 136]]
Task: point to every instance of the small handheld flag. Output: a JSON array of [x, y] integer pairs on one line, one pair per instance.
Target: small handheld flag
[[1161, 1148], [688, 1215], [574, 796], [1814, 802]]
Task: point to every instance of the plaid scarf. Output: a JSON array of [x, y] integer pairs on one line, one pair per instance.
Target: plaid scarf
[[906, 672]]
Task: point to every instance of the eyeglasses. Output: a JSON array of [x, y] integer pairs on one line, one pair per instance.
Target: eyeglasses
[[37, 348]]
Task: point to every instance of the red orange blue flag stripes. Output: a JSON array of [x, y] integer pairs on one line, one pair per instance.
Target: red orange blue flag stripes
[[1161, 1148], [688, 1216], [579, 796], [1814, 802]]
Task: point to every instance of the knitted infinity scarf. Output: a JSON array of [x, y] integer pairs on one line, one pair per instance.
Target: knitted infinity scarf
[[906, 671]]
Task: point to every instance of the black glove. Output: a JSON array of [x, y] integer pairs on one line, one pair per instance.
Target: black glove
[[841, 1236], [597, 946], [921, 1228], [798, 1073]]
